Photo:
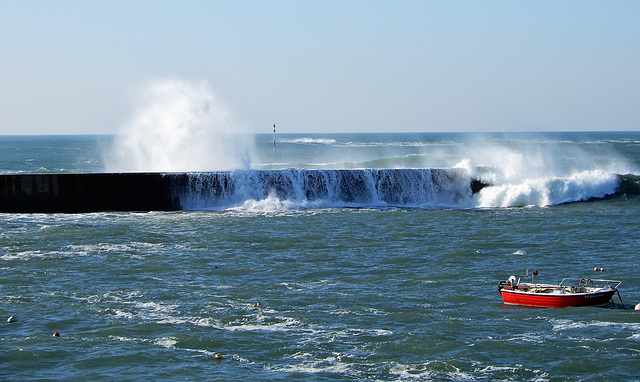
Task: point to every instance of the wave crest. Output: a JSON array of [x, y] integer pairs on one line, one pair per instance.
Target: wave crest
[[282, 189], [546, 191]]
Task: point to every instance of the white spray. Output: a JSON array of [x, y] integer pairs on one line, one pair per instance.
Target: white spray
[[179, 126], [543, 173]]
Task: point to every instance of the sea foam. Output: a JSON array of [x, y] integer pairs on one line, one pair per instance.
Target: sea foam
[[551, 190], [179, 126]]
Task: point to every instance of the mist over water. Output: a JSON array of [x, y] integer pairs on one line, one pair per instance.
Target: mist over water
[[541, 171], [521, 169], [179, 126]]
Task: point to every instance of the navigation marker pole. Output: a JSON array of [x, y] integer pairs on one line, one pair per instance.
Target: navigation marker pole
[[274, 142]]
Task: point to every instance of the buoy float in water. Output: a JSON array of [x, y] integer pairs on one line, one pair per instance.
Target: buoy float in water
[[218, 356], [56, 334], [12, 319], [257, 305]]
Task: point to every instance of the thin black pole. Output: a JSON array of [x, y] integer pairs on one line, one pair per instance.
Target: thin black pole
[[274, 142]]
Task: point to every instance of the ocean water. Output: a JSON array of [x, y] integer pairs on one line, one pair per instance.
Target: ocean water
[[351, 285]]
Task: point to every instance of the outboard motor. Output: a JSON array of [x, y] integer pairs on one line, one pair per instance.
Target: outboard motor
[[511, 281]]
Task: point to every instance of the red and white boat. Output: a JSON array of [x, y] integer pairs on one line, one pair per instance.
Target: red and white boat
[[570, 292]]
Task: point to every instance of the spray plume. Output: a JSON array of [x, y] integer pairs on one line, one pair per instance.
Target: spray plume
[[524, 173], [179, 126]]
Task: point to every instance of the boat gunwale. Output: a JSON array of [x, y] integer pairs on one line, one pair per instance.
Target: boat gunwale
[[559, 294], [580, 292]]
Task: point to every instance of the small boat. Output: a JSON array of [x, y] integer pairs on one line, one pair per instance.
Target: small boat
[[569, 292]]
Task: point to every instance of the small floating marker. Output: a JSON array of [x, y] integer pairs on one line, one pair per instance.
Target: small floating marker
[[218, 356], [257, 305], [637, 307], [56, 334], [596, 269], [12, 319], [601, 269]]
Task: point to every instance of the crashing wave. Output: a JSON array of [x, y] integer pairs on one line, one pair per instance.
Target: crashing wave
[[330, 188], [301, 188], [551, 190], [423, 188]]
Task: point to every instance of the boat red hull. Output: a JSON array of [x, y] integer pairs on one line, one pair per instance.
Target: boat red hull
[[556, 301]]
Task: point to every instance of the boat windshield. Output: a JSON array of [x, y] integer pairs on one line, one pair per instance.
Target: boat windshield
[[595, 283]]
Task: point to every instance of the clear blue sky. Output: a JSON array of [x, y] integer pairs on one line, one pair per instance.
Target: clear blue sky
[[69, 67]]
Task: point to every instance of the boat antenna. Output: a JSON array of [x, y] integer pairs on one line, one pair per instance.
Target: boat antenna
[[274, 142], [534, 273]]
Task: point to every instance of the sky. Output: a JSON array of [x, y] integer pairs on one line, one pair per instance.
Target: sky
[[325, 66]]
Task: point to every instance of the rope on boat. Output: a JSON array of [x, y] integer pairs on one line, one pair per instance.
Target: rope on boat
[[620, 297]]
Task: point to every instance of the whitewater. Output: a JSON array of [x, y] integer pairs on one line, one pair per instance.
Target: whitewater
[[179, 126], [411, 170], [182, 127], [374, 170]]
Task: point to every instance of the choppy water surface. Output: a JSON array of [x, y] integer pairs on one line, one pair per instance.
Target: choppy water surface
[[368, 293]]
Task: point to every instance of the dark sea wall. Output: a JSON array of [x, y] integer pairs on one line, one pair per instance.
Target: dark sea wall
[[86, 192], [212, 190]]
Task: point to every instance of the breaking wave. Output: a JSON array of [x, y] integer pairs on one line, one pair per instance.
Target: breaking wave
[[179, 126], [552, 190], [302, 188], [380, 188], [310, 141]]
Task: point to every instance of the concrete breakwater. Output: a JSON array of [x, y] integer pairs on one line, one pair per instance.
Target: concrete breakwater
[[92, 192], [86, 192]]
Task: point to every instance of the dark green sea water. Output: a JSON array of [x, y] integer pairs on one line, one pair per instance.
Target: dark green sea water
[[373, 293]]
